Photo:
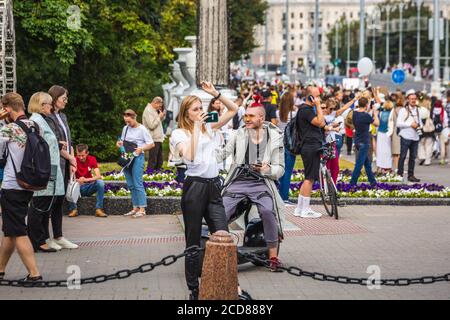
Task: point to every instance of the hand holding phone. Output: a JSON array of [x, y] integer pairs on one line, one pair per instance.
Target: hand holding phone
[[213, 117]]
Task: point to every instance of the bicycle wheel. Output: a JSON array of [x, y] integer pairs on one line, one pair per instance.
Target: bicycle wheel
[[329, 194]]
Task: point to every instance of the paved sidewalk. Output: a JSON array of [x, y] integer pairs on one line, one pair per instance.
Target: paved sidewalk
[[403, 242]]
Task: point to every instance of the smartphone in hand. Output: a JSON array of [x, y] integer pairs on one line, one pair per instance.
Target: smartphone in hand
[[213, 117]]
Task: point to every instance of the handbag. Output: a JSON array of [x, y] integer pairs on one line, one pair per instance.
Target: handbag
[[73, 190], [129, 146], [429, 126]]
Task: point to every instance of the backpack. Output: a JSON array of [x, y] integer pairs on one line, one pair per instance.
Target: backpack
[[291, 139], [35, 170], [236, 121]]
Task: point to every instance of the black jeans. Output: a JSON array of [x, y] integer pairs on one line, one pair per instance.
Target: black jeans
[[412, 147], [201, 199], [38, 221], [155, 157]]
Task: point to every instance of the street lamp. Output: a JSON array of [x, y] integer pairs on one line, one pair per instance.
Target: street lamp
[[336, 53], [316, 40], [288, 62], [348, 47], [362, 13], [418, 76], [401, 6], [374, 25], [436, 47], [446, 69], [388, 14]]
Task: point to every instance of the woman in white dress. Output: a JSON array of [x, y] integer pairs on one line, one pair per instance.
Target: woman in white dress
[[384, 140]]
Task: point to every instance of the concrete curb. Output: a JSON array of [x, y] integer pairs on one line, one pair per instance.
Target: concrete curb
[[171, 205]]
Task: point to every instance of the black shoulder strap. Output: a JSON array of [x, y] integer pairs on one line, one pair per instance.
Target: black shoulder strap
[[125, 136]]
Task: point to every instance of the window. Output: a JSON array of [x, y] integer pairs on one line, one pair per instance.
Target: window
[[301, 15], [292, 26], [301, 36], [292, 48], [351, 14], [301, 48], [301, 25], [292, 15]]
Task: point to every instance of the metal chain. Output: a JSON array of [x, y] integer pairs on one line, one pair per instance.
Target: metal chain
[[401, 282], [122, 274]]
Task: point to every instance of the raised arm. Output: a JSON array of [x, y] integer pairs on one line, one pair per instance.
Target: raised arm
[[232, 108]]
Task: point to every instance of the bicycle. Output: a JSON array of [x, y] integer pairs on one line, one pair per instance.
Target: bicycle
[[328, 190]]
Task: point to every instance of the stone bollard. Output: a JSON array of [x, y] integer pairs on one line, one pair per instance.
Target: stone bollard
[[219, 273]]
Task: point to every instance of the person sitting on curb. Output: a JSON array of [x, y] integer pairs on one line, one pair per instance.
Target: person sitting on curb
[[88, 184]]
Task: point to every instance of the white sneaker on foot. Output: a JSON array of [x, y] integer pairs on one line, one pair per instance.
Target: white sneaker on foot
[[52, 244], [298, 212], [66, 244], [139, 214], [309, 213]]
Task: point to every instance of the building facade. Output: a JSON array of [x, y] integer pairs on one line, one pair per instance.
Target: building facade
[[301, 31]]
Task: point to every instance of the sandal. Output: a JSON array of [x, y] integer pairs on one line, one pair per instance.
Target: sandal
[[131, 213], [139, 214]]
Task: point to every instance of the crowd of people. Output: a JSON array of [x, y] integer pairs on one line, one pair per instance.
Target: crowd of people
[[244, 138]]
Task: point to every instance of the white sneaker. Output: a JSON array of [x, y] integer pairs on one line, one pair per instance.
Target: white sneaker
[[66, 244], [52, 244], [309, 213], [298, 212]]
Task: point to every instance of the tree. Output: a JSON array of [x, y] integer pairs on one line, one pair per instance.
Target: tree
[[118, 58]]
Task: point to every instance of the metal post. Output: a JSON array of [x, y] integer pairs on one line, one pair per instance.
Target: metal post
[[316, 40], [288, 62], [336, 53], [400, 45], [348, 48], [436, 48], [266, 47], [418, 76], [446, 69], [388, 30], [362, 14]]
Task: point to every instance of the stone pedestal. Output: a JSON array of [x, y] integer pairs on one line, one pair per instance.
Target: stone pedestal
[[219, 273]]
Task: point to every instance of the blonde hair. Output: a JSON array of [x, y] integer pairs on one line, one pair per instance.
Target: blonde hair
[[426, 103], [14, 101], [388, 105], [183, 117], [36, 101], [367, 94]]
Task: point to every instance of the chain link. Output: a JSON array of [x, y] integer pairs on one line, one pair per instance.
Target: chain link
[[298, 272], [122, 274]]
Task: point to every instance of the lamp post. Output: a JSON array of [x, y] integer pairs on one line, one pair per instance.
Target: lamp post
[[266, 47], [316, 40], [401, 6], [418, 76], [288, 62], [436, 48], [446, 69], [348, 48], [374, 25], [336, 52], [362, 14], [388, 30]]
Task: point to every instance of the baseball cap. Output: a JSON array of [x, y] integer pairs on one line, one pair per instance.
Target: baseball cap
[[410, 92]]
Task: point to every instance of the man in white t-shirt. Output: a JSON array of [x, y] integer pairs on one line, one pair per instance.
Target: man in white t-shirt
[[409, 123]]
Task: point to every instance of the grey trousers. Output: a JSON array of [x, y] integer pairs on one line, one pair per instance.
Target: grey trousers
[[260, 195]]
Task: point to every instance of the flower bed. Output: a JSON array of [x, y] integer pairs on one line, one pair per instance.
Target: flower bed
[[297, 176], [346, 175], [381, 190]]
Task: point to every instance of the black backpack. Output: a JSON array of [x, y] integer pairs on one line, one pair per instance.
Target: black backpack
[[35, 170], [291, 139], [236, 121]]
